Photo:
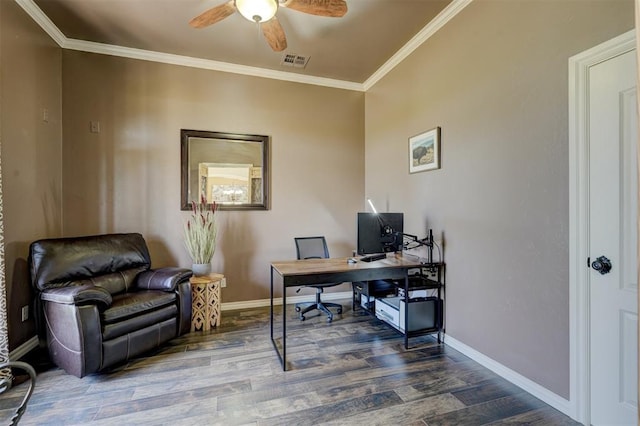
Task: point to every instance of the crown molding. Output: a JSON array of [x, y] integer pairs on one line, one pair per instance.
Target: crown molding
[[188, 61], [430, 29], [43, 20], [147, 55]]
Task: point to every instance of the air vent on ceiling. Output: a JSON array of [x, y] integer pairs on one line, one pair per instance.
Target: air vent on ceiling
[[294, 60]]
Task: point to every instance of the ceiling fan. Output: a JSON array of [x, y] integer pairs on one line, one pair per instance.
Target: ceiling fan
[[264, 13]]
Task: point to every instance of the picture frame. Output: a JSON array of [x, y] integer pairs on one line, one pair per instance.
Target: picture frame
[[424, 151]]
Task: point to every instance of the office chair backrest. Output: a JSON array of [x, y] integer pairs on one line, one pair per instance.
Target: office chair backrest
[[311, 248]]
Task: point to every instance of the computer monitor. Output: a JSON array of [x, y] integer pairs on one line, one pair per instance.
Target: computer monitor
[[380, 232]]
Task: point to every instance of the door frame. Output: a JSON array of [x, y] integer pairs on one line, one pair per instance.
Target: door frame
[[579, 297]]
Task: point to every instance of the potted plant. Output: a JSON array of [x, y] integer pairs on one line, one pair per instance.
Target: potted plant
[[200, 233]]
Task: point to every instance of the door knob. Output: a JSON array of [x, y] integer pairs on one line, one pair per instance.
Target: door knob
[[602, 265]]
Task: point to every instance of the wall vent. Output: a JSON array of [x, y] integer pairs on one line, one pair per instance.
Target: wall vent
[[294, 60]]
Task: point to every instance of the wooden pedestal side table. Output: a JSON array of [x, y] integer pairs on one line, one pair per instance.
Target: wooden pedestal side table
[[205, 301]]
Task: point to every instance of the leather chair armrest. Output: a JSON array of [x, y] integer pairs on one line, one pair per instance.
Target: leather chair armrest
[[78, 295], [165, 279]]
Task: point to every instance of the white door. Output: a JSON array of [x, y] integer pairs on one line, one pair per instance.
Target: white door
[[613, 209]]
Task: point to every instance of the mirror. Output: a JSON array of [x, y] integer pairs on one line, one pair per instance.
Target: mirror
[[230, 169]]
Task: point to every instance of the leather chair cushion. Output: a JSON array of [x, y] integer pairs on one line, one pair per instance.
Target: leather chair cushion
[[127, 305], [115, 283]]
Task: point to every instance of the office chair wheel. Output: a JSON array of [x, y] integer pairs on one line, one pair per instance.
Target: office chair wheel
[[339, 310], [302, 318], [297, 308], [329, 318]]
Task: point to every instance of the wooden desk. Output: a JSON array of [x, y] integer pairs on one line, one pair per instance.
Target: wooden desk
[[205, 301], [295, 273]]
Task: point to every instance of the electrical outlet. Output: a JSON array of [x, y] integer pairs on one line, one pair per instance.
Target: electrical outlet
[[94, 126], [25, 313], [223, 283]]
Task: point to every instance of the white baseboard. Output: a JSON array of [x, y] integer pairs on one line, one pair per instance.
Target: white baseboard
[[556, 401], [278, 301], [24, 349]]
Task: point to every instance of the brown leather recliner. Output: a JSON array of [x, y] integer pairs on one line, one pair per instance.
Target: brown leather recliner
[[101, 304]]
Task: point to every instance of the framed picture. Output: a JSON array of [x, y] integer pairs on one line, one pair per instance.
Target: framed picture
[[424, 151]]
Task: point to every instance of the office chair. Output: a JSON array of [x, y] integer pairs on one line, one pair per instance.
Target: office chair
[[315, 248]]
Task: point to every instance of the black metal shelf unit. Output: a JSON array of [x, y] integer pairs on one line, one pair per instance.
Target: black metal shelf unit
[[400, 294]]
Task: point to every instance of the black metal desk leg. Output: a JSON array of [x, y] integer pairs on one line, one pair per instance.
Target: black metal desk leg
[[284, 326], [406, 310], [273, 341]]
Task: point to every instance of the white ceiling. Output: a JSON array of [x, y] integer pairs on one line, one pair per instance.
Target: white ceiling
[[349, 49]]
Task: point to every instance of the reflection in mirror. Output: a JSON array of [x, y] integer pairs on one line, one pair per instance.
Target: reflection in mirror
[[229, 169]]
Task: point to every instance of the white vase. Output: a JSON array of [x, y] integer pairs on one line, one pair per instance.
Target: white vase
[[200, 269]]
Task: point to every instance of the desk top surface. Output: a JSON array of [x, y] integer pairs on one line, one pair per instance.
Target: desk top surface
[[341, 264]]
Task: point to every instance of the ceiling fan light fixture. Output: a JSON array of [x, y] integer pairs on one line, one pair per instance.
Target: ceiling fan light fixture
[[257, 10]]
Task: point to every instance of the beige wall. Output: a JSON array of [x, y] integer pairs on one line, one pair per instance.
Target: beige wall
[[495, 80], [31, 77], [127, 178]]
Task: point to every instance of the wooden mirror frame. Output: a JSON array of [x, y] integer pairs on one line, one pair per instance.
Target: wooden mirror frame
[[186, 166]]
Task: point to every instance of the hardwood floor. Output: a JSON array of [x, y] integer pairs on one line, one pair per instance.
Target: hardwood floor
[[352, 371]]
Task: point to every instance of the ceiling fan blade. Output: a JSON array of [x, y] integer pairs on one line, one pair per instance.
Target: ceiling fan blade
[[213, 15], [331, 8], [273, 32]]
